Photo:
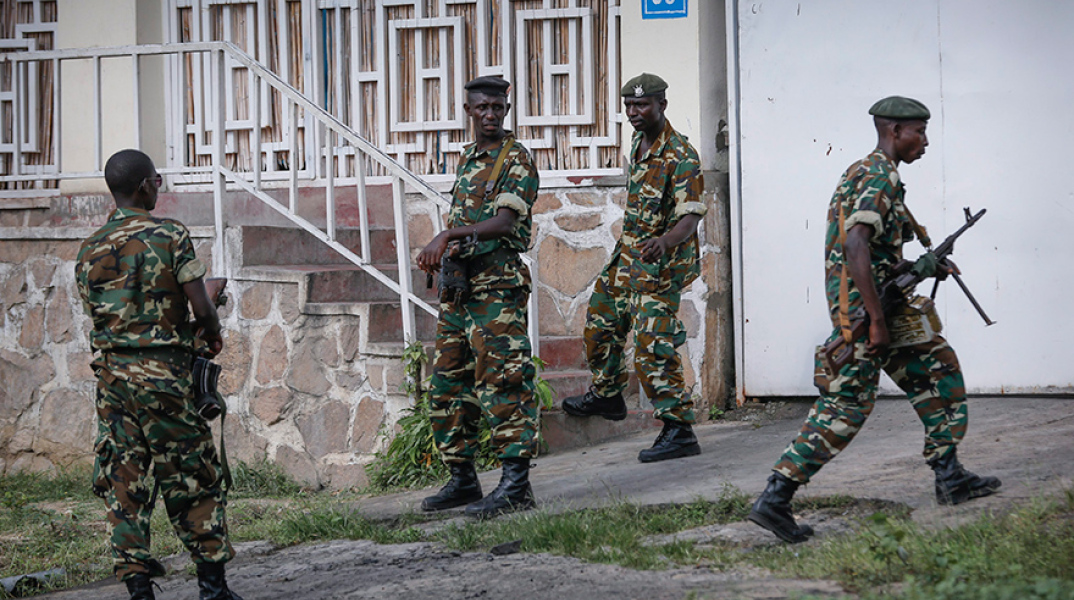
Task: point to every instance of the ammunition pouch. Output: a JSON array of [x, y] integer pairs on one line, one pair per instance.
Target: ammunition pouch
[[913, 322], [207, 400], [454, 284]]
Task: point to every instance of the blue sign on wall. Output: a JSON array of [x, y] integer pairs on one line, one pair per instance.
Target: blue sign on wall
[[663, 9]]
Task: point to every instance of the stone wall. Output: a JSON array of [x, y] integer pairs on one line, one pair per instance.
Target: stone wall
[[46, 408], [305, 388]]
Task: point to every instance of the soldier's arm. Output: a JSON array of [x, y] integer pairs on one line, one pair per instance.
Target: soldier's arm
[[859, 266], [687, 184], [489, 229], [204, 314], [652, 249]]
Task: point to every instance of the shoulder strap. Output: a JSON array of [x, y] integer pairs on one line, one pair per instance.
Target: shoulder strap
[[490, 185], [844, 285], [919, 230]]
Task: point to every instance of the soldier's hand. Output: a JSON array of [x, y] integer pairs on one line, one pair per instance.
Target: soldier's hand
[[214, 286], [213, 341], [946, 267], [653, 249], [429, 258], [878, 337]]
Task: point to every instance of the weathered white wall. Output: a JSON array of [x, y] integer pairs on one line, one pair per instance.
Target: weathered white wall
[[996, 76], [687, 53], [84, 24]]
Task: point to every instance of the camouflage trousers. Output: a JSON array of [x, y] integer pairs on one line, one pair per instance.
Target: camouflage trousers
[[930, 375], [483, 369], [615, 310], [142, 433]]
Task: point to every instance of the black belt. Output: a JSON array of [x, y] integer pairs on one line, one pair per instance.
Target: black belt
[[482, 262], [173, 355]]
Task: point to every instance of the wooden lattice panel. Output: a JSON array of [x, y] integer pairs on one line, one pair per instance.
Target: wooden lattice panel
[[26, 134], [394, 71]]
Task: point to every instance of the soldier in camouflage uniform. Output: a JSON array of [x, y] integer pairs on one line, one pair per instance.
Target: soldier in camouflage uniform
[[483, 367], [654, 260], [868, 223], [135, 276]]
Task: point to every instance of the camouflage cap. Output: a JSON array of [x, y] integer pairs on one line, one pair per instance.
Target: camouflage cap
[[898, 107], [493, 85], [643, 85]]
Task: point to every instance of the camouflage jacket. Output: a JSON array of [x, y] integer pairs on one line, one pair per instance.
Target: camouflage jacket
[[516, 188], [870, 192], [130, 274], [665, 184]]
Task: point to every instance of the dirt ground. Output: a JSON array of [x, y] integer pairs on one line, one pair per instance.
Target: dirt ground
[[1027, 442]]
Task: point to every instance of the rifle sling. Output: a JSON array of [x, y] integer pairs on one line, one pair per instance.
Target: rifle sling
[[844, 285], [501, 158], [919, 230]]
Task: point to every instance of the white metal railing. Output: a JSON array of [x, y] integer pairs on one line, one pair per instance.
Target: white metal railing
[[323, 131]]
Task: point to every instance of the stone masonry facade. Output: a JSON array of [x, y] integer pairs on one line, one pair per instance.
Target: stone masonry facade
[[305, 388]]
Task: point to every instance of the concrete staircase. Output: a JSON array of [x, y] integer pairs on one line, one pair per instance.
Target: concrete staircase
[[332, 285]]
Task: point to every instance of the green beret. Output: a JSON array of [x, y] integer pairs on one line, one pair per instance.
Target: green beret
[[898, 107], [493, 85], [643, 85]]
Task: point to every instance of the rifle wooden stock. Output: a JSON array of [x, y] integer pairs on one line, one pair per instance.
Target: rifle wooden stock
[[839, 352]]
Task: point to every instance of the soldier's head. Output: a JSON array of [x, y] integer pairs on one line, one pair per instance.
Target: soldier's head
[[644, 102], [133, 179], [486, 105], [900, 127]]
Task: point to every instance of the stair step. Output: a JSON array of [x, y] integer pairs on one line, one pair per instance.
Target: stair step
[[569, 383], [561, 431], [196, 208], [386, 323], [351, 283], [563, 353], [264, 245]]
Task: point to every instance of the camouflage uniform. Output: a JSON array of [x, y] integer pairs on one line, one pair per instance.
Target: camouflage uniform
[[130, 275], [870, 192], [664, 185], [483, 363]]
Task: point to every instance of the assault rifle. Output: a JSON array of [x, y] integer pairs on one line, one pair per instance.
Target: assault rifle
[[895, 291]]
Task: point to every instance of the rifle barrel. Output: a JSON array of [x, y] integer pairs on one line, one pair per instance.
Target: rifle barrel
[[973, 301]]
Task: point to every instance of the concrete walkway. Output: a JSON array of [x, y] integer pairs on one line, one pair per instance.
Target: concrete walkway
[[1027, 442]]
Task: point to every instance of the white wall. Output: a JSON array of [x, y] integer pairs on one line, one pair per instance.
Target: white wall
[[83, 24], [686, 52], [996, 76]]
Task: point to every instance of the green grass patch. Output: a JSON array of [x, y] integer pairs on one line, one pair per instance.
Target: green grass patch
[[262, 479], [19, 489], [614, 534], [1028, 553]]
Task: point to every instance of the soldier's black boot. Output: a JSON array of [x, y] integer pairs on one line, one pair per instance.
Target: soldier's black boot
[[772, 510], [211, 583], [513, 493], [462, 489], [591, 404], [955, 485], [140, 587], [676, 440]]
